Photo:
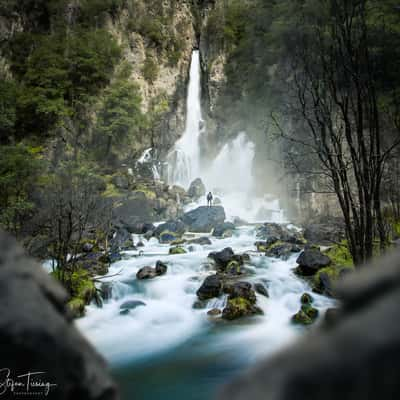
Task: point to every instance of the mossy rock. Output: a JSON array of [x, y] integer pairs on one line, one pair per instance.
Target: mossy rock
[[150, 194], [76, 307], [310, 311], [301, 318], [340, 255], [306, 298], [233, 267], [168, 237], [239, 307], [178, 242], [177, 250]]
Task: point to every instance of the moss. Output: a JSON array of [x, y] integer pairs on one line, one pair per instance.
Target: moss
[[77, 307], [177, 250], [340, 254], [306, 298], [178, 242], [302, 318], [233, 267], [167, 236], [150, 194], [310, 311], [240, 303], [111, 191]]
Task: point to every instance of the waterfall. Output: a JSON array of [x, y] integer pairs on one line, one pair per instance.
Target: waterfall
[[184, 159]]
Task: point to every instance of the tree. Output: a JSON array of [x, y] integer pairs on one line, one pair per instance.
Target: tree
[[336, 82]]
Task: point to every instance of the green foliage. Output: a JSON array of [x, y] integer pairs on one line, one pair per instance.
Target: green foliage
[[150, 69], [8, 92], [340, 254], [20, 166], [93, 11], [120, 120]]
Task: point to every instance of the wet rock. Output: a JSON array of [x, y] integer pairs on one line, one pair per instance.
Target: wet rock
[[140, 244], [175, 227], [204, 219], [177, 250], [196, 189], [241, 289], [161, 268], [214, 312], [131, 304], [222, 258], [203, 241], [306, 298], [211, 287], [282, 250], [125, 311], [167, 237], [146, 273], [224, 230], [279, 232], [239, 307], [310, 261], [198, 304], [120, 239], [233, 268], [261, 289]]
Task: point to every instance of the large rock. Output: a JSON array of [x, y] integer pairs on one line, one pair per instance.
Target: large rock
[[355, 356], [196, 189], [282, 250], [211, 287], [135, 208], [150, 272], [222, 258], [176, 227], [224, 230], [38, 334], [204, 219], [279, 232], [311, 260]]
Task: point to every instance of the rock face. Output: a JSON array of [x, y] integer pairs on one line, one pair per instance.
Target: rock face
[[311, 260], [211, 287], [196, 189], [353, 357], [204, 219], [37, 334]]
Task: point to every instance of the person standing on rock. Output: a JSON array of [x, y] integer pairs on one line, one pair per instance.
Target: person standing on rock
[[209, 199]]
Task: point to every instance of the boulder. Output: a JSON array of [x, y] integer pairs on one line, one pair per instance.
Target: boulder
[[176, 227], [196, 189], [242, 290], [131, 304], [211, 287], [146, 273], [94, 263], [214, 312], [238, 308], [203, 241], [134, 208], [222, 258], [38, 333], [204, 219], [282, 250], [167, 237], [279, 232], [150, 272], [311, 260], [161, 268], [261, 289], [224, 230], [177, 250], [306, 298]]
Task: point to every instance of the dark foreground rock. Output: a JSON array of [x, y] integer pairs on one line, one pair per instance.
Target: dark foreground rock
[[227, 261], [311, 260], [150, 272], [356, 356], [211, 287], [37, 333], [204, 219]]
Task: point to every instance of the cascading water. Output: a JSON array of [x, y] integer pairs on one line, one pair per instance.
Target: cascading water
[[229, 175], [184, 159], [187, 354]]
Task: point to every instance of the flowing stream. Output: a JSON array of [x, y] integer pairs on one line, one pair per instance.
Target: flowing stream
[[166, 349]]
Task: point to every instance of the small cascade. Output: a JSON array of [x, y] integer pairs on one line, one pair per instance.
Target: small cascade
[[184, 159], [148, 162]]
